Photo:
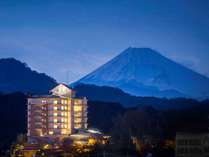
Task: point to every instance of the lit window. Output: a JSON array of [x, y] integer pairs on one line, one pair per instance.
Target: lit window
[[55, 101], [65, 113], [65, 120], [43, 101], [78, 114], [51, 132], [77, 108], [77, 120], [55, 114], [55, 107], [62, 101], [65, 126], [77, 126], [65, 107], [65, 101], [55, 120], [62, 114], [85, 125], [55, 126], [62, 107], [62, 120], [63, 132]]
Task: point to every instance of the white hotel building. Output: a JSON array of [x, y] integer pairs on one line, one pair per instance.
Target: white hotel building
[[56, 115]]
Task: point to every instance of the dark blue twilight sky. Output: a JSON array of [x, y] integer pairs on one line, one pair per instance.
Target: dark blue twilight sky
[[77, 36]]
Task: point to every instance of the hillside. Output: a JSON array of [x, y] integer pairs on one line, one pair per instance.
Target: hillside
[[115, 95], [17, 76]]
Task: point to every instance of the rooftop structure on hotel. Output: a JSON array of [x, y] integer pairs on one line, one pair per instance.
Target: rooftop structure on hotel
[[56, 115]]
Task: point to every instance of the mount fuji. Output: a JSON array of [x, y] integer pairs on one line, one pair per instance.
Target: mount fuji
[[145, 72]]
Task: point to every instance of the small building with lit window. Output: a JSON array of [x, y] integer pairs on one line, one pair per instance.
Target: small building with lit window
[[56, 115]]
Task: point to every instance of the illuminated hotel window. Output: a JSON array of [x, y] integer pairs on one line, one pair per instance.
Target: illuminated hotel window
[[65, 120], [55, 120], [78, 114], [55, 126], [55, 101], [62, 114], [55, 114], [51, 132], [64, 126], [65, 113], [77, 108], [77, 126], [62, 107], [78, 101], [77, 120], [62, 101], [65, 107], [63, 132], [55, 107], [65, 101], [62, 120]]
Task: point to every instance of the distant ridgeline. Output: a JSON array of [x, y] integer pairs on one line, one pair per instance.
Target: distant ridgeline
[[115, 95], [17, 76]]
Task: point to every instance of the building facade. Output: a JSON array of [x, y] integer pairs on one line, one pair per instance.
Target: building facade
[[56, 115], [192, 144]]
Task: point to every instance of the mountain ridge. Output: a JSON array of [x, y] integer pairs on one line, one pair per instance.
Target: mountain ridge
[[116, 95], [145, 72], [17, 76]]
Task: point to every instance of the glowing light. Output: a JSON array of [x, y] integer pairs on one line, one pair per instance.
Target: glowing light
[[77, 120], [92, 141], [77, 126], [55, 126], [55, 120], [51, 132], [55, 101], [63, 132], [55, 107], [77, 108], [61, 90], [46, 146], [94, 131]]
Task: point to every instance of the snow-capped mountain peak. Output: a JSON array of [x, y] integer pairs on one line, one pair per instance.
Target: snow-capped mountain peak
[[145, 72]]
